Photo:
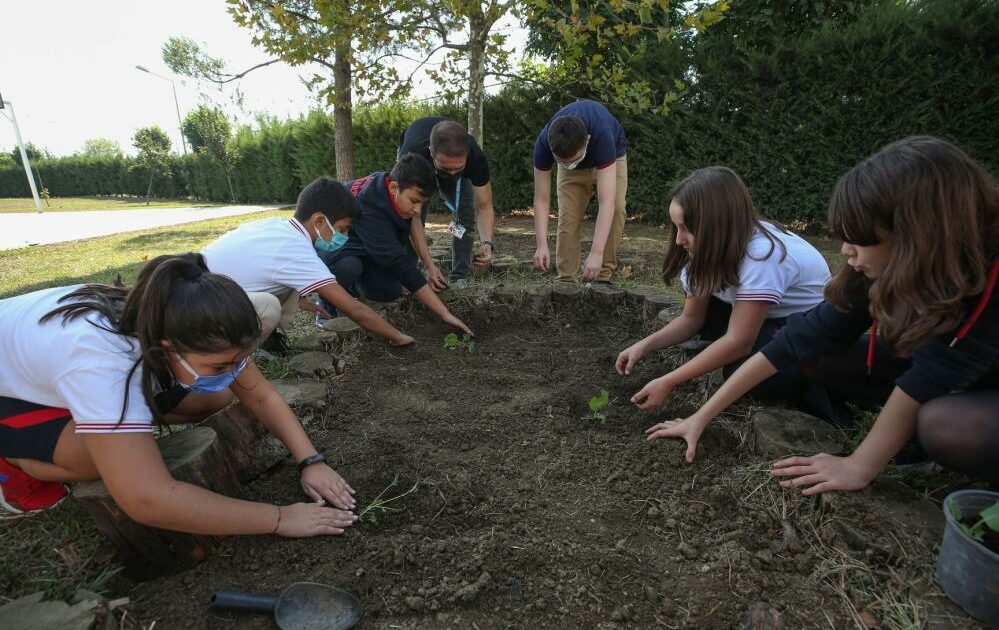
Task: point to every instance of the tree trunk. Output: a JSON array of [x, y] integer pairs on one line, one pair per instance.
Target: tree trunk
[[251, 447], [149, 190], [477, 34], [228, 180], [343, 126], [195, 456]]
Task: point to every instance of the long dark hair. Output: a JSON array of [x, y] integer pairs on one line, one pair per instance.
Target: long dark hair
[[719, 213], [175, 298], [939, 209]]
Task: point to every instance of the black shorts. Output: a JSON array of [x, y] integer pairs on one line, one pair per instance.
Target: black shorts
[[30, 431]]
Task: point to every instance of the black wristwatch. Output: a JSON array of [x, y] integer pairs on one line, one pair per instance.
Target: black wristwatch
[[491, 245], [312, 459]]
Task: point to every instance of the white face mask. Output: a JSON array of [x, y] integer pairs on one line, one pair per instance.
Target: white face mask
[[571, 165]]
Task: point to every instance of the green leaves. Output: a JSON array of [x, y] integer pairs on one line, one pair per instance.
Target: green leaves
[[465, 342], [988, 518], [597, 404]]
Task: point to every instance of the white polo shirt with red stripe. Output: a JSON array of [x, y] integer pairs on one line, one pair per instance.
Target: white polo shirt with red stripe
[[792, 283], [272, 255], [71, 364]]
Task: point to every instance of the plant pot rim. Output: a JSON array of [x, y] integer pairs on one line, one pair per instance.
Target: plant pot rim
[[951, 523]]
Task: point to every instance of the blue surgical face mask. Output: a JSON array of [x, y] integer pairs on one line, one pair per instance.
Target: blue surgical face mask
[[337, 241], [211, 384]]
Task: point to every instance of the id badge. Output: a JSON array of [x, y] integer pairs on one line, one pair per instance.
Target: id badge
[[457, 229]]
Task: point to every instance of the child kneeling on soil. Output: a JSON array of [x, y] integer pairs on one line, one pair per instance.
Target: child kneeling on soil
[[275, 262], [743, 277], [919, 222], [88, 369], [378, 260]]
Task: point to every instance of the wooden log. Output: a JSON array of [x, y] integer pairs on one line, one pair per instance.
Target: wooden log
[[566, 294], [194, 456], [538, 298], [605, 297], [252, 449], [656, 302], [508, 295]]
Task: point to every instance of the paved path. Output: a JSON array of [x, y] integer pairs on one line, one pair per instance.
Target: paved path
[[19, 229]]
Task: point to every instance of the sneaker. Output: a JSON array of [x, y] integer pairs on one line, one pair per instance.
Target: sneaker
[[20, 493]]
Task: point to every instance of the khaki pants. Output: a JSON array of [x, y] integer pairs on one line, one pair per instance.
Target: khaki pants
[[273, 312], [574, 189]]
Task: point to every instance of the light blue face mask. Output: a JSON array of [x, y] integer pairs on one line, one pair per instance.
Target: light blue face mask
[[336, 242], [211, 384]]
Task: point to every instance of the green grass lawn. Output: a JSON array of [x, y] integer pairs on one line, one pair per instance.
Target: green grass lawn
[[74, 204], [101, 259]]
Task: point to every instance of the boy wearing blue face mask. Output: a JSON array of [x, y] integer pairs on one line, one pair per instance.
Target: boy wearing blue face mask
[[589, 146], [378, 260], [275, 261]]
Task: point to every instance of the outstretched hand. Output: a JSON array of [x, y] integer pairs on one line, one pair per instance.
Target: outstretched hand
[[322, 483], [689, 429], [823, 473], [654, 394], [454, 322]]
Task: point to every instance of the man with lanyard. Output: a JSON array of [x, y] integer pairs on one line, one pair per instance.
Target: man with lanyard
[[463, 180]]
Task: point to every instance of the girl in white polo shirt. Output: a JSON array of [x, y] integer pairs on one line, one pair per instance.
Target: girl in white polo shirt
[[88, 369], [742, 277]]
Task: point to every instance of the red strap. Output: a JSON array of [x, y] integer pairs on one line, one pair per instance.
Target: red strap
[[982, 303], [870, 346], [38, 416]]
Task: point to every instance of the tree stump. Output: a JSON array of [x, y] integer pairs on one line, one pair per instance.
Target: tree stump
[[507, 295], [566, 294], [656, 302], [251, 447], [635, 296], [195, 456], [606, 297], [538, 298], [344, 327]]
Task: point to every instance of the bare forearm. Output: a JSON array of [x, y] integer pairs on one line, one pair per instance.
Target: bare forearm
[[185, 507], [542, 201], [605, 216], [750, 374], [677, 331], [434, 303], [719, 354], [485, 222], [369, 320], [895, 426]]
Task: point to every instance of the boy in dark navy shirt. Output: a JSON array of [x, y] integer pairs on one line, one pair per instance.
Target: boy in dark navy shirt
[[462, 174], [378, 261], [589, 146]]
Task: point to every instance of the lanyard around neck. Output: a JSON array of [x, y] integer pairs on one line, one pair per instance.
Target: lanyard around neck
[[457, 194]]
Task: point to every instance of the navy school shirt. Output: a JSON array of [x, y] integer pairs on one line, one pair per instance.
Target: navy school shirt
[[607, 141], [416, 139], [937, 368], [381, 235]]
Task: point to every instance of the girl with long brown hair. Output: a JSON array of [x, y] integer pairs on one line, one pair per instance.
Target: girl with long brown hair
[[743, 277], [919, 222], [88, 369]]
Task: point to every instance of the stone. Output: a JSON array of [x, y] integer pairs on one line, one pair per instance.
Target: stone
[[508, 295], [605, 296], [655, 302], [761, 616], [566, 293], [31, 613], [344, 327], [782, 432], [312, 364], [301, 393], [318, 341], [538, 298]]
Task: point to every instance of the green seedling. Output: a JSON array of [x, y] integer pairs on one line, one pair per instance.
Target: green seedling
[[597, 406], [380, 507], [452, 341], [989, 517]]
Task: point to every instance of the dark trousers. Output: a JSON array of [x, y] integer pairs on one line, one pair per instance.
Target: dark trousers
[[461, 249], [784, 385]]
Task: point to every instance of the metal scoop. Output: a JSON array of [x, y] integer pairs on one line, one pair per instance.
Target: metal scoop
[[302, 606]]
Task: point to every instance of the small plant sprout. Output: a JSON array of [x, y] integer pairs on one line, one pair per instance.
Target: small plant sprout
[[989, 517], [597, 406], [380, 507], [452, 341]]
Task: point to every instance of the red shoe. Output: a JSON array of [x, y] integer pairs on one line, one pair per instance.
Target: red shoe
[[20, 493]]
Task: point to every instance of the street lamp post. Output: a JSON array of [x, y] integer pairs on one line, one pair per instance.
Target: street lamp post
[[175, 103], [24, 154]]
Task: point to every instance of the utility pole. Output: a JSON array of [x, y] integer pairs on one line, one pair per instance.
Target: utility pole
[[8, 106]]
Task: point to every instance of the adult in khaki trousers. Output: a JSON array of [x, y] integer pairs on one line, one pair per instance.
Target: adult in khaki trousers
[[589, 146]]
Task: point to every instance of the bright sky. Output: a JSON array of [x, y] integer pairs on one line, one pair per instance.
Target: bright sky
[[68, 67]]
